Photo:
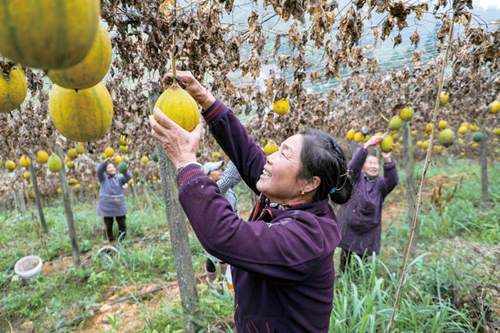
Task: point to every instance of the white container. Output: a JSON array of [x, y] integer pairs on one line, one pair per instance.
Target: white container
[[28, 267]]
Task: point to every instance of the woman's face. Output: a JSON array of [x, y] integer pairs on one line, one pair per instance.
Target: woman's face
[[279, 180], [110, 169], [215, 175]]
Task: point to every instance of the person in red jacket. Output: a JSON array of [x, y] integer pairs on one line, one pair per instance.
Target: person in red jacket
[[282, 259]]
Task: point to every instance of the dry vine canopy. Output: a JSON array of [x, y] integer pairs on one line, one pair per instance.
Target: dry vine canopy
[[326, 57]]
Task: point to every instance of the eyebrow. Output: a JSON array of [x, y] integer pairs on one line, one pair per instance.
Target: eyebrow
[[286, 147]]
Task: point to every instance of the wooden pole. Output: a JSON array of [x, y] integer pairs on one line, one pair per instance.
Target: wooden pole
[[484, 164], [353, 148], [409, 167], [134, 196], [63, 180], [146, 194], [178, 232], [38, 198], [22, 202]]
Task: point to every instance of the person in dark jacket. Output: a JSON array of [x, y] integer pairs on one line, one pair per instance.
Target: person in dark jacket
[[361, 219], [112, 203], [282, 259]]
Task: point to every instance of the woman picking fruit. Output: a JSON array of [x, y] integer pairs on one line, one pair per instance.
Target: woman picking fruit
[[361, 219], [282, 260], [112, 199]]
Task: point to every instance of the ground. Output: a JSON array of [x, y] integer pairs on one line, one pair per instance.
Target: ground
[[453, 272]]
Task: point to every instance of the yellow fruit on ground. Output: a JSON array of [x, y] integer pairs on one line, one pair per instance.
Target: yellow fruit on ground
[[442, 124], [426, 135], [475, 144], [109, 152], [180, 107], [395, 123], [90, 186], [27, 175], [10, 165], [123, 149], [31, 185], [444, 98], [216, 155], [462, 154], [386, 143], [81, 116], [12, 92], [281, 106], [131, 181], [425, 144], [358, 137], [48, 34], [91, 70], [419, 143], [460, 141], [79, 149], [400, 138], [271, 147], [472, 127], [54, 164], [366, 138], [155, 179], [494, 107], [414, 132], [24, 161], [428, 127], [145, 160], [59, 191], [395, 136], [407, 113], [118, 159], [70, 164], [350, 135], [103, 156], [462, 130], [497, 131], [72, 153], [77, 186]]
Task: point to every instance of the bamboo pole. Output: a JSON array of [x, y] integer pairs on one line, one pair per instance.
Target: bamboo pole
[[38, 198], [63, 180], [424, 173]]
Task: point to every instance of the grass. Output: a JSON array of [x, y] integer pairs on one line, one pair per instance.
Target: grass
[[444, 289]]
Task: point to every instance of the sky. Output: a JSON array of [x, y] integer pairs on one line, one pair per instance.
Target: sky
[[487, 4]]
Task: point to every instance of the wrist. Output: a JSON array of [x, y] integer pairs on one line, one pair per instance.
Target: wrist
[[184, 159], [366, 145], [388, 160], [205, 98]]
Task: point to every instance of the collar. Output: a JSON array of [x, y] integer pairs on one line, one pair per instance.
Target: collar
[[270, 204], [369, 179], [319, 208]]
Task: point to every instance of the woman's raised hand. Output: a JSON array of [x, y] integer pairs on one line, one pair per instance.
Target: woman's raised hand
[[373, 141], [180, 145], [200, 94]]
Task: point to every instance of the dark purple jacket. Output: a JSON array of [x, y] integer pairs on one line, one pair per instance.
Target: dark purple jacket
[[282, 264], [361, 218]]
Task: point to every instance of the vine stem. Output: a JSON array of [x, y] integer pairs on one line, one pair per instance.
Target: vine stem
[[424, 173]]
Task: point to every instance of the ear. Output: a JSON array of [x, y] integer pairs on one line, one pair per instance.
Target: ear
[[311, 184]]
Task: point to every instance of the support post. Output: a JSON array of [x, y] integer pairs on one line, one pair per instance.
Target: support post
[[178, 231], [63, 180], [353, 148], [409, 167], [38, 198], [484, 164], [134, 196], [22, 202]]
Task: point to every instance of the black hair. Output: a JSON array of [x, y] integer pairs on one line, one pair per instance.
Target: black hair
[[322, 157]]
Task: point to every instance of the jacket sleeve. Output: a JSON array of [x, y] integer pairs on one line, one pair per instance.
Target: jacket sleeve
[[100, 171], [391, 177], [285, 254], [126, 177], [357, 162], [230, 134], [230, 178]]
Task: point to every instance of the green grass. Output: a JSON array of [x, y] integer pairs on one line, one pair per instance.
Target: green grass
[[454, 259]]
